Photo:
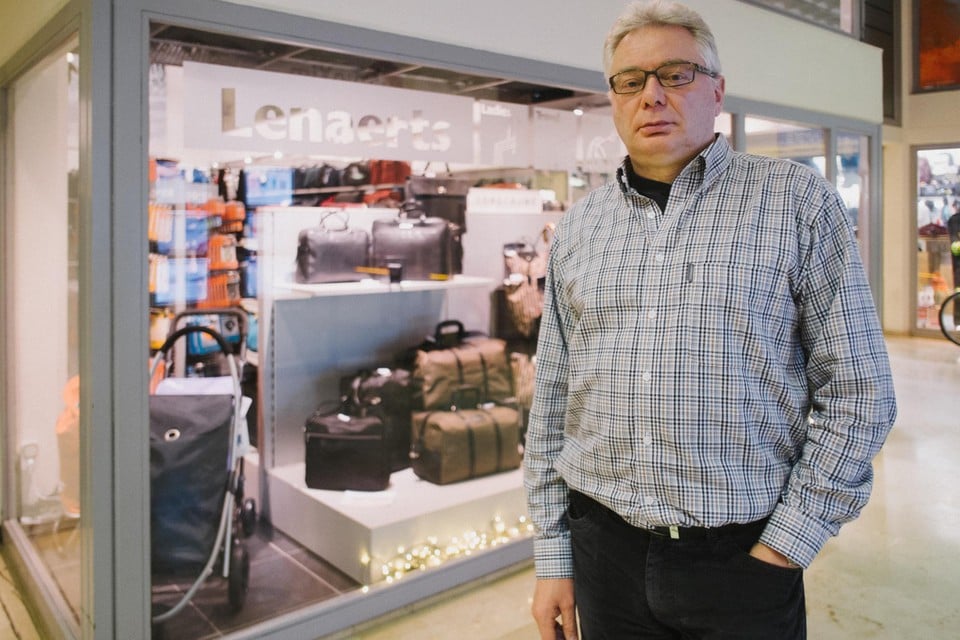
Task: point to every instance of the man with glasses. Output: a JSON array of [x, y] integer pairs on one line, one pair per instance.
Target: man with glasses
[[712, 382]]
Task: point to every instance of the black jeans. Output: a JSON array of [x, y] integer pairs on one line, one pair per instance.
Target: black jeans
[[630, 583]]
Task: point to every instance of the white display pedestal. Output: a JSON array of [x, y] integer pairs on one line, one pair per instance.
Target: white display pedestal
[[358, 531]]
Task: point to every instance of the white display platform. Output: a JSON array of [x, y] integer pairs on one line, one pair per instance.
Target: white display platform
[[354, 530], [283, 288]]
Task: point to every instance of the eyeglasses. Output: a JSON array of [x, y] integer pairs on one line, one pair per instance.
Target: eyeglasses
[[672, 74]]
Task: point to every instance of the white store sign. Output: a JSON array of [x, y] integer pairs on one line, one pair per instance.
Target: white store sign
[[503, 134], [248, 110]]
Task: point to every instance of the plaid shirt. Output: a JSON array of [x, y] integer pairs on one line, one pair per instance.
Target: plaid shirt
[[717, 362]]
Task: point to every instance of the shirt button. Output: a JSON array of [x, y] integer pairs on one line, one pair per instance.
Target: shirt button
[[651, 213], [646, 376], [651, 314], [659, 258], [650, 500]]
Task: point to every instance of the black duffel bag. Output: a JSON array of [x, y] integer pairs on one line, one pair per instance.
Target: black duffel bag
[[420, 246], [332, 251], [391, 395], [345, 452]]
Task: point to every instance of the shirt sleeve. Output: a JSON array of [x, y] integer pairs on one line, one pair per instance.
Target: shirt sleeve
[[850, 386], [546, 489]]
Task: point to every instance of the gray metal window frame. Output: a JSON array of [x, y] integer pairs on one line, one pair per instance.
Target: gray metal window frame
[[83, 19]]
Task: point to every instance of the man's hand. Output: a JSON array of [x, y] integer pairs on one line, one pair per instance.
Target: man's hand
[[552, 598], [761, 551]]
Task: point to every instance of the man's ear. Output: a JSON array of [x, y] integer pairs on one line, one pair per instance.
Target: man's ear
[[719, 91]]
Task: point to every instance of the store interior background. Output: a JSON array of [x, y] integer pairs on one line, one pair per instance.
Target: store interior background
[[926, 119]]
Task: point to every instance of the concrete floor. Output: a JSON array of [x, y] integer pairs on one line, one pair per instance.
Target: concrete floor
[[892, 574]]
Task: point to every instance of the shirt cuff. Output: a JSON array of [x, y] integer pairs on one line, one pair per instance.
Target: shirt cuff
[[553, 558], [796, 535]]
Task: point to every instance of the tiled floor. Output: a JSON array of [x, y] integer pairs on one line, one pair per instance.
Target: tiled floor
[[890, 575], [283, 577]]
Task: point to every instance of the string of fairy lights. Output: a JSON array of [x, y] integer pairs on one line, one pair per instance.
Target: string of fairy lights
[[433, 552]]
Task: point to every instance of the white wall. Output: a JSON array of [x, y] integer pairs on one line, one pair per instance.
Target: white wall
[[766, 56], [38, 314]]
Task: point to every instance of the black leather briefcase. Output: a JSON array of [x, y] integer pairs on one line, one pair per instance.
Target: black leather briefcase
[[346, 452], [332, 251], [421, 247]]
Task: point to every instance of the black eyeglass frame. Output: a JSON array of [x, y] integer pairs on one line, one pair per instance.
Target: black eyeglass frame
[[697, 68]]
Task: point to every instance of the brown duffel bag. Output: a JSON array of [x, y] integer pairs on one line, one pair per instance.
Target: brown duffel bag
[[452, 363], [451, 446]]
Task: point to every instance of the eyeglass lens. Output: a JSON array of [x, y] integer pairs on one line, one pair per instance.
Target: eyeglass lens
[[669, 75]]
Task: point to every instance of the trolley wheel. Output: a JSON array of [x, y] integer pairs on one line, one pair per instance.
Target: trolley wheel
[[238, 580], [248, 516], [950, 318]]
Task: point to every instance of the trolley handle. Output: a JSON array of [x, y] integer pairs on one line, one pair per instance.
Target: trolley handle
[[193, 328]]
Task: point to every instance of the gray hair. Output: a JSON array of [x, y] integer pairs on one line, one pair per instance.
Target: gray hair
[[660, 13]]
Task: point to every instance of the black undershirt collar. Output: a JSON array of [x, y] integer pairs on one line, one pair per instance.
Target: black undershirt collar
[[657, 191]]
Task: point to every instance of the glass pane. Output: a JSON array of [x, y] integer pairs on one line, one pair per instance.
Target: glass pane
[[853, 183], [938, 231], [788, 140], [833, 14], [42, 302]]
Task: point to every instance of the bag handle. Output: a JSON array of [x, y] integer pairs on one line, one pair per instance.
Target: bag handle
[[338, 214], [195, 328], [411, 208], [443, 333], [462, 396]]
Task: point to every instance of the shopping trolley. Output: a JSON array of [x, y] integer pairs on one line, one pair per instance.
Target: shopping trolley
[[198, 437]]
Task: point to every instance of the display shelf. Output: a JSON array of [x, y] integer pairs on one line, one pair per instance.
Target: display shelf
[[312, 336], [356, 531], [373, 286]]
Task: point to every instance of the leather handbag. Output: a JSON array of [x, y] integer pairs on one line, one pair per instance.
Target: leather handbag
[[525, 265], [460, 444], [454, 359], [332, 251], [345, 452], [421, 247]]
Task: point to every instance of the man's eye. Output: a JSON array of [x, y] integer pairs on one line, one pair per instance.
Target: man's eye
[[631, 83]]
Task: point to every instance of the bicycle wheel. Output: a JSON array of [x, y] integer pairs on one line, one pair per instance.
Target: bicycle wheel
[[950, 318]]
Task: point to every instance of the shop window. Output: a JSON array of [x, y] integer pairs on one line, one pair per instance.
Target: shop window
[[264, 165], [938, 231], [853, 183], [793, 141], [41, 301]]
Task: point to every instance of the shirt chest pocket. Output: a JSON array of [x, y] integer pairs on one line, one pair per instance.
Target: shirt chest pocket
[[719, 304]]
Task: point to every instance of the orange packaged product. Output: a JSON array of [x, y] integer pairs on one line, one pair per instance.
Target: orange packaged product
[[222, 252], [223, 290]]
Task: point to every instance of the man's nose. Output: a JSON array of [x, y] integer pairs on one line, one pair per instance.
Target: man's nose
[[652, 92]]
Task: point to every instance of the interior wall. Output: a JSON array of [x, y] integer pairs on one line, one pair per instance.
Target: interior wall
[[39, 289], [573, 36], [928, 119]]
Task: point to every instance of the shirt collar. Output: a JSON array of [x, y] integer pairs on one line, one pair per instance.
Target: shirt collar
[[701, 170]]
